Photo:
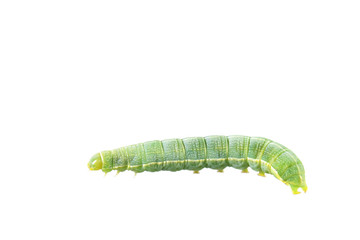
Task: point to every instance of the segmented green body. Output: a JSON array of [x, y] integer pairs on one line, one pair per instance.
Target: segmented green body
[[216, 152]]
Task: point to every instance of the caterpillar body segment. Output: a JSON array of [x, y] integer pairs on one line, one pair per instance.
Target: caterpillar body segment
[[215, 152]]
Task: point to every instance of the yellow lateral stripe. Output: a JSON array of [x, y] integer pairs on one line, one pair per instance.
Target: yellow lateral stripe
[[273, 170]]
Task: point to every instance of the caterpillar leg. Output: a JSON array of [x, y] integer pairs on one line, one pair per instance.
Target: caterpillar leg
[[245, 170], [220, 170], [262, 174], [294, 189], [196, 172]]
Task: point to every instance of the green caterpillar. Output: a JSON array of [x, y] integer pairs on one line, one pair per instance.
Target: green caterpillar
[[196, 153]]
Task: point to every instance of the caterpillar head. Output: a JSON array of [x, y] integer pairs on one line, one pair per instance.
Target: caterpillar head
[[95, 162]]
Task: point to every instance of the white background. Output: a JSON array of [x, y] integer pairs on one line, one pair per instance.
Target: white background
[[78, 77]]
